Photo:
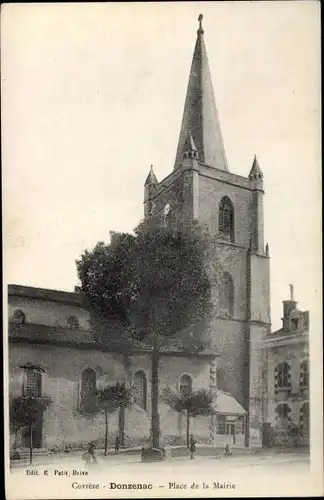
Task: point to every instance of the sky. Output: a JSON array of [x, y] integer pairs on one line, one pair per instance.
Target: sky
[[93, 94]]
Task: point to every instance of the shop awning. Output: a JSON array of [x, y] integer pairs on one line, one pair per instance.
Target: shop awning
[[225, 404]]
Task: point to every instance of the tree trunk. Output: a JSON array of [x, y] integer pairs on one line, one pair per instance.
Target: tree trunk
[[247, 431], [188, 428], [14, 446], [155, 420], [122, 410], [106, 433], [30, 444], [121, 418]]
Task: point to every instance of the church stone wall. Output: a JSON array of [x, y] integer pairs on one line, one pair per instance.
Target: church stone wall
[[172, 194], [64, 424], [234, 261], [211, 191], [172, 424], [260, 289], [229, 340]]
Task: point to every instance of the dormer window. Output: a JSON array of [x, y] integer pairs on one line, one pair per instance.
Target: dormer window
[[73, 322]]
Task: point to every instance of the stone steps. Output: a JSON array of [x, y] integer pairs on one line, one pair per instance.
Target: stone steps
[[24, 453]]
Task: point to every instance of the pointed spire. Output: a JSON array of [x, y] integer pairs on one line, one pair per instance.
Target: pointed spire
[[151, 178], [200, 114], [255, 172]]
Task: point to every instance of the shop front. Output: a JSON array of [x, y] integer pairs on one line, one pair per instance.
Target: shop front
[[229, 421]]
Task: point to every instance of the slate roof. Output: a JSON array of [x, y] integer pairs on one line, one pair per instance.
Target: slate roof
[[46, 294]]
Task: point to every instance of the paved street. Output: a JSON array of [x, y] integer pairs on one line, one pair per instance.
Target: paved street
[[177, 476], [132, 462]]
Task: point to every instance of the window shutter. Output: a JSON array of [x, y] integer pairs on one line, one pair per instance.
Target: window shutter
[[276, 378], [212, 374], [140, 389], [33, 383], [289, 373]]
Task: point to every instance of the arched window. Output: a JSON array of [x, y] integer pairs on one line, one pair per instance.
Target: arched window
[[282, 375], [88, 389], [185, 385], [33, 382], [304, 419], [73, 322], [283, 415], [303, 381], [18, 317], [226, 219], [226, 299], [140, 388]]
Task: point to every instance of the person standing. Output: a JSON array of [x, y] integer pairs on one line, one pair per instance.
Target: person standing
[[192, 447], [89, 456], [117, 444]]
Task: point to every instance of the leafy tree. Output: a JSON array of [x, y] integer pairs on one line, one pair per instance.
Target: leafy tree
[[25, 411], [110, 399], [200, 402], [154, 289]]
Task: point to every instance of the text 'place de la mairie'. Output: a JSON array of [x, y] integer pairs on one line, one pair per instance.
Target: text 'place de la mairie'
[[260, 377]]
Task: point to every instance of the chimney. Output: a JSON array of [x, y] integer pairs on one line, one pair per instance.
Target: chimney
[[288, 306]]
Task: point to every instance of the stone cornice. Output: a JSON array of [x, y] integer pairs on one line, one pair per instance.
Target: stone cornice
[[97, 346]]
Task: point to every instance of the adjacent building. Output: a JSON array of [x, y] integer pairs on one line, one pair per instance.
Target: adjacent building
[[286, 369]]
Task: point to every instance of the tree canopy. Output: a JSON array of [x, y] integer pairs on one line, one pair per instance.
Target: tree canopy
[[154, 283], [25, 410], [199, 402], [112, 397]]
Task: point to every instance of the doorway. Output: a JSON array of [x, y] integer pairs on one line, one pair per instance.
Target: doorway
[[230, 431], [37, 435]]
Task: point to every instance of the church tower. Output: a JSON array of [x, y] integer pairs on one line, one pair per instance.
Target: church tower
[[201, 188]]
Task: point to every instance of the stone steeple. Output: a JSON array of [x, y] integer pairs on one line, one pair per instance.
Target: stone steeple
[[200, 117], [255, 172], [151, 179]]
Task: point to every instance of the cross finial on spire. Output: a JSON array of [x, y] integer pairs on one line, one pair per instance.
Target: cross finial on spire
[[200, 18]]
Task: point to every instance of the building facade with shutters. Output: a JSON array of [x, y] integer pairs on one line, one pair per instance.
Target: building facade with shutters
[[286, 368], [51, 328]]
